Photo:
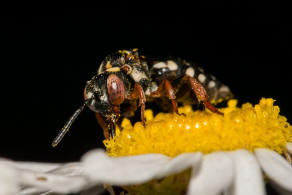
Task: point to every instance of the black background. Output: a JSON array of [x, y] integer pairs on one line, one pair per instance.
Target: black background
[[48, 54]]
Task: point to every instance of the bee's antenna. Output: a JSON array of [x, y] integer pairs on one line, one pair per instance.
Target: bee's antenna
[[67, 125]]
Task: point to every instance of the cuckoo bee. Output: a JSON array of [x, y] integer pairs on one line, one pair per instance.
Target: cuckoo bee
[[125, 77]]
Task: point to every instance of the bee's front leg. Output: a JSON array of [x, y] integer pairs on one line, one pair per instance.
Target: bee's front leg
[[138, 93], [101, 121], [108, 122]]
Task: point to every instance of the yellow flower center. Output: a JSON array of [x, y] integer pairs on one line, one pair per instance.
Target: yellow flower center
[[248, 127]]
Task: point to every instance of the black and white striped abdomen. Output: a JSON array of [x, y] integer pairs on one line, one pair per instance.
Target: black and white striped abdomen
[[216, 90], [175, 69]]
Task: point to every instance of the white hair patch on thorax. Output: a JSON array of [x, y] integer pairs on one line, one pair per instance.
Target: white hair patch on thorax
[[148, 91], [202, 78], [190, 72], [151, 89], [154, 86], [138, 75], [172, 66], [160, 65]]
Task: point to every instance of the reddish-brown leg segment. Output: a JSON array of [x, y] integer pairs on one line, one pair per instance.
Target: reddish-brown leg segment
[[102, 123], [201, 93], [165, 88], [138, 93]]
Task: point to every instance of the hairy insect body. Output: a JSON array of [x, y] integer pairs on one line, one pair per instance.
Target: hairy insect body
[[126, 80]]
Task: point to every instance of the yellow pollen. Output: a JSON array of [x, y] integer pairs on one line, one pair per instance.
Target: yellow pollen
[[248, 127]]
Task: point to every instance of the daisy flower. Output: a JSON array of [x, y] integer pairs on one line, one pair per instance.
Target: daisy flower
[[200, 153]]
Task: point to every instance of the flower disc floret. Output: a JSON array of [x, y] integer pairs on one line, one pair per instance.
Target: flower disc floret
[[248, 127]]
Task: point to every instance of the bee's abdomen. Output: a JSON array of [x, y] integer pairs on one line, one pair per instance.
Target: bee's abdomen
[[175, 69], [216, 90]]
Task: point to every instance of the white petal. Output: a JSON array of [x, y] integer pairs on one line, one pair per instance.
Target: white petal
[[276, 167], [33, 174], [8, 179], [248, 177], [58, 183], [289, 147], [213, 177], [69, 169], [134, 169], [36, 166], [180, 163]]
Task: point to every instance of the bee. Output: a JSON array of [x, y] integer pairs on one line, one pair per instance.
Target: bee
[[125, 78]]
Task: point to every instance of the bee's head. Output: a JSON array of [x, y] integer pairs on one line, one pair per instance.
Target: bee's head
[[104, 92], [107, 90]]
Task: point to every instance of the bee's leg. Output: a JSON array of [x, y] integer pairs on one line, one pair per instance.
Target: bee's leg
[[103, 124], [114, 120], [112, 127], [138, 93], [165, 88], [169, 91], [201, 93]]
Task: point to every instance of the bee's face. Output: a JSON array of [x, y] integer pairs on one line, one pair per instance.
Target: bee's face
[[104, 92]]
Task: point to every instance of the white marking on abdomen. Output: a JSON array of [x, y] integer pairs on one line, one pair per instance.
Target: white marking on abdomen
[[159, 65], [190, 72], [172, 66], [224, 89], [202, 78], [211, 84]]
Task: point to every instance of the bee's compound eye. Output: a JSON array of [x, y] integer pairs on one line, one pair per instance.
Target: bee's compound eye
[[115, 89]]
